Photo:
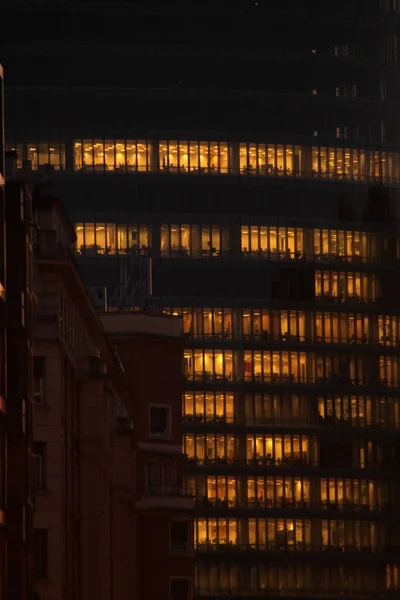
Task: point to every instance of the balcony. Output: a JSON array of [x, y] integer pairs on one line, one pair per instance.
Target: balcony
[[165, 497]]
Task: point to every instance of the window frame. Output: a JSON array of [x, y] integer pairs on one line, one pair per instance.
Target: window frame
[[168, 431], [39, 365], [38, 455], [189, 542]]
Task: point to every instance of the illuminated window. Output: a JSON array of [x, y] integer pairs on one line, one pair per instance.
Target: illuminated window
[[345, 286], [351, 535], [280, 533], [392, 577], [210, 448], [208, 364], [389, 370], [50, 155], [342, 327], [264, 409], [212, 157], [344, 245], [275, 366], [272, 242], [209, 407], [184, 240], [20, 149], [109, 238], [33, 155], [278, 449], [216, 532], [388, 330], [208, 323], [278, 492], [221, 491]]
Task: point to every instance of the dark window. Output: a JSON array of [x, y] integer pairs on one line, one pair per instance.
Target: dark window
[[180, 536], [159, 418], [40, 553], [38, 375], [38, 465], [180, 589]]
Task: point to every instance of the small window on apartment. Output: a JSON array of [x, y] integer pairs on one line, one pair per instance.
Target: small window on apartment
[[180, 537], [160, 417], [38, 465], [180, 589], [38, 379], [40, 554]]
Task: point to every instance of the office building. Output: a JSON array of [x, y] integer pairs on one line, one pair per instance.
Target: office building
[[245, 178]]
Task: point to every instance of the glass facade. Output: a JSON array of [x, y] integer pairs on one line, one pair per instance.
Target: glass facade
[[291, 408], [101, 155], [289, 411], [253, 171]]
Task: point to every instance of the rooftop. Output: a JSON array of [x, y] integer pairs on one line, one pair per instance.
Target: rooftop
[[128, 323]]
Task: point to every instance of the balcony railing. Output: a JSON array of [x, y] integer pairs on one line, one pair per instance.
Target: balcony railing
[[214, 546], [253, 503], [268, 462], [306, 421], [199, 419], [267, 337], [306, 593], [277, 378], [343, 299]]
